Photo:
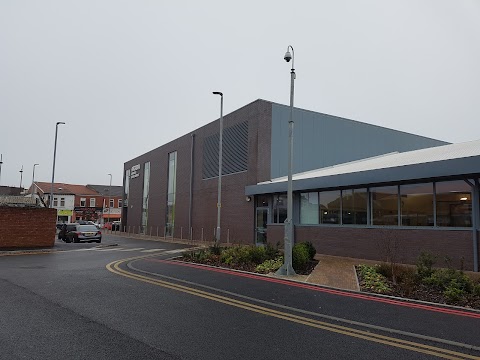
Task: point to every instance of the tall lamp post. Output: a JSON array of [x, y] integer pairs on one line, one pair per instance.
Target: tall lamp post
[[21, 176], [1, 162], [220, 146], [33, 179], [54, 156], [109, 195], [287, 268]]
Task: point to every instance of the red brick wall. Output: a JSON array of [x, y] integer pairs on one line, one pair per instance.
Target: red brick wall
[[27, 227], [371, 243]]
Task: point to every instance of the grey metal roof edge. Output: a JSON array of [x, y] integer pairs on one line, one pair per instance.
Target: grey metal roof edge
[[440, 169]]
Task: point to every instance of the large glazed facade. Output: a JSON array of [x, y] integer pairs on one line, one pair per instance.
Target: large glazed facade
[[172, 190]]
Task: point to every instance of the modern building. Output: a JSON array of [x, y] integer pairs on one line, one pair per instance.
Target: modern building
[[359, 190]]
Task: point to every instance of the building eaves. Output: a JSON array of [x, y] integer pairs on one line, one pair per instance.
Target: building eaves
[[462, 159]]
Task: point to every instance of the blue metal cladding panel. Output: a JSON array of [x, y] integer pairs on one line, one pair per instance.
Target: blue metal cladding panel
[[322, 140]]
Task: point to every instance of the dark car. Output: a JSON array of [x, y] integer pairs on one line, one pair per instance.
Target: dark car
[[84, 233], [64, 229]]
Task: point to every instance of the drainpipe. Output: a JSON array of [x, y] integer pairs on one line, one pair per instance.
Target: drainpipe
[[475, 216], [191, 185]]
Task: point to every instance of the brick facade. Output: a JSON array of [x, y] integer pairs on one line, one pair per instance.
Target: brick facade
[[27, 227], [373, 243], [237, 215]]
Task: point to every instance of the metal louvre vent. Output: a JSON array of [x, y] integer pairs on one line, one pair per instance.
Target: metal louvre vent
[[235, 151]]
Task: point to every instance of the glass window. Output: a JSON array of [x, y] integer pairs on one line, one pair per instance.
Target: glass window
[[146, 189], [354, 206], [55, 201], [263, 200], [279, 208], [119, 203], [330, 207], [416, 204], [62, 201], [83, 202], [112, 203], [309, 208], [92, 202], [171, 193], [384, 205], [127, 185], [454, 203]]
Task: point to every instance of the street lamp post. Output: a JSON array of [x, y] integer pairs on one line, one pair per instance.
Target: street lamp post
[[109, 195], [287, 268], [1, 162], [21, 176], [54, 155], [220, 146], [33, 179]]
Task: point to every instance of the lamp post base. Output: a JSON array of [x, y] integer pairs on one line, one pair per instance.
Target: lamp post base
[[286, 270]]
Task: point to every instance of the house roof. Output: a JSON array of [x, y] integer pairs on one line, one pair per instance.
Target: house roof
[[10, 190], [115, 190], [65, 189], [442, 161]]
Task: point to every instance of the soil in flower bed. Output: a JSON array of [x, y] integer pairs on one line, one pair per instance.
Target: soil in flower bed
[[418, 291]]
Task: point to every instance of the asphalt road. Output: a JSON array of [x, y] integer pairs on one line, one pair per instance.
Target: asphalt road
[[129, 301]]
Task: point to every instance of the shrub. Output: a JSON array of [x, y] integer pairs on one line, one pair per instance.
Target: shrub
[[196, 256], [258, 254], [247, 254], [385, 269], [270, 265], [271, 252], [300, 256], [476, 290], [407, 280], [425, 263], [450, 278], [373, 280], [215, 249], [453, 294], [311, 249]]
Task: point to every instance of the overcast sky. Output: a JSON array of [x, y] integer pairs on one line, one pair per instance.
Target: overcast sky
[[129, 76]]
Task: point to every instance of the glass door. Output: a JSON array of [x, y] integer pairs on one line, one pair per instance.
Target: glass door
[[261, 220]]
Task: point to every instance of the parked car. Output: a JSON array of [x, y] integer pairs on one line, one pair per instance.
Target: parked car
[[84, 233]]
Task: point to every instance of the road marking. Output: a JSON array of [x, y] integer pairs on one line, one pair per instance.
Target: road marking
[[151, 250], [114, 267], [393, 301], [132, 249], [335, 319]]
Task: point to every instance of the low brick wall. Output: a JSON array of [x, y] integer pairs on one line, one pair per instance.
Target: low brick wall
[[22, 228], [375, 243]]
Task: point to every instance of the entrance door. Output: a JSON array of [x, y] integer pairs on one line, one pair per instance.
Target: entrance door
[[261, 220]]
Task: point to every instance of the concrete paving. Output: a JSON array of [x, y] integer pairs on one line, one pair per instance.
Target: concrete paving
[[337, 272]]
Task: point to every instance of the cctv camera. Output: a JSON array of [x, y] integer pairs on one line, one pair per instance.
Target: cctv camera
[[288, 56]]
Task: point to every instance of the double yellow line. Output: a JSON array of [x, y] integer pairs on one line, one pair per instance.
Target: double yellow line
[[114, 267]]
